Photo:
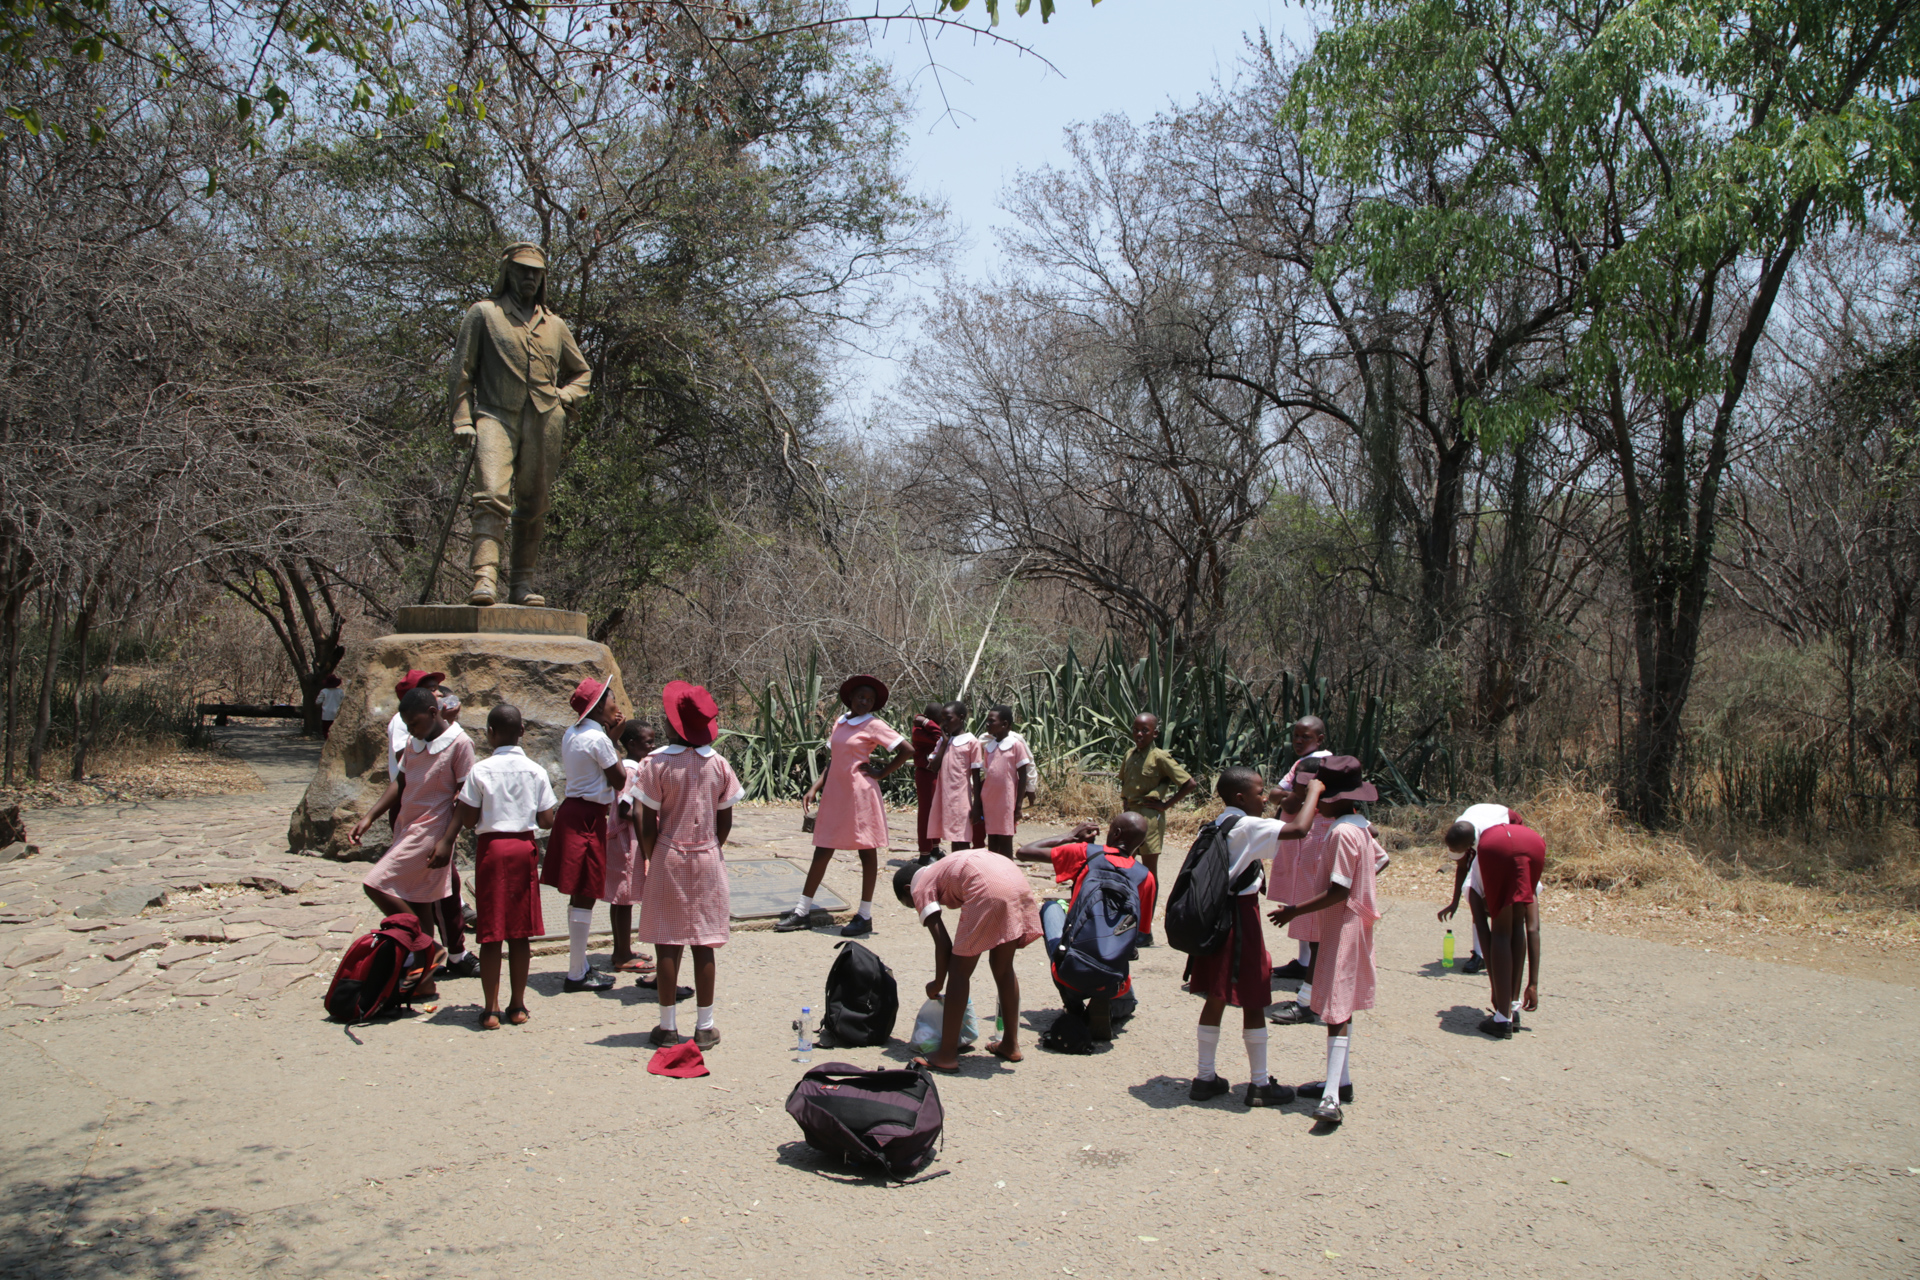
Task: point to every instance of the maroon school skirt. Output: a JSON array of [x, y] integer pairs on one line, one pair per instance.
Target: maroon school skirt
[[577, 849], [1240, 972], [506, 887]]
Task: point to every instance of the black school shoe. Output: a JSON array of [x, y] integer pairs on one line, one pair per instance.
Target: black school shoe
[[1473, 964], [1290, 970], [466, 967], [1270, 1094], [858, 927], [591, 980], [793, 922], [1316, 1088], [1294, 1014], [1201, 1090], [1498, 1030]]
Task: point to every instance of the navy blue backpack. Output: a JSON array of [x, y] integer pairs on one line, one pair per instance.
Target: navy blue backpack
[[1102, 931]]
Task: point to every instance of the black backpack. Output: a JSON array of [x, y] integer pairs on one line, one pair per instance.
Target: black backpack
[[1067, 1034], [1102, 929], [1200, 908], [862, 1002], [891, 1117]]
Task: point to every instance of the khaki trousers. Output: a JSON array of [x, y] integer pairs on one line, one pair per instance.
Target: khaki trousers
[[513, 467]]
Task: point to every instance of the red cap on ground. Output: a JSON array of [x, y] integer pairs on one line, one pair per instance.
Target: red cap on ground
[[691, 710], [681, 1061]]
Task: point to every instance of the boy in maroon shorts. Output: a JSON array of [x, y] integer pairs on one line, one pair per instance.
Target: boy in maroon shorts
[[1511, 858], [1240, 972], [508, 799]]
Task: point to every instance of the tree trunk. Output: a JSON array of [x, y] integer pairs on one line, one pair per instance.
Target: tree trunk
[[43, 720], [82, 630], [16, 598]]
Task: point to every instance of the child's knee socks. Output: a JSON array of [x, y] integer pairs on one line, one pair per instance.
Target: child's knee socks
[[1209, 1049], [579, 920], [1255, 1038], [1337, 1047]]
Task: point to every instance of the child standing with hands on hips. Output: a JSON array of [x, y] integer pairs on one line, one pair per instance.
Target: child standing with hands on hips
[[687, 792], [852, 814]]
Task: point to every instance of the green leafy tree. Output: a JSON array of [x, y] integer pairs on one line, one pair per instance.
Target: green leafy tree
[[1664, 162]]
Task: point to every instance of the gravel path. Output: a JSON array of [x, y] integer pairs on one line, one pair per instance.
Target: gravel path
[[1670, 1112]]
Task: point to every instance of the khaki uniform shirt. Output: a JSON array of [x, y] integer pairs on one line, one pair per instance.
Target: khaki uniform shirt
[[1150, 773], [507, 356]]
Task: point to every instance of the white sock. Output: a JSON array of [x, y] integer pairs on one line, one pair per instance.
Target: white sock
[[1498, 1016], [1305, 995], [1306, 954], [456, 957], [669, 1016], [865, 911], [579, 920], [1256, 1042], [1513, 1009], [805, 904], [1209, 1049], [1337, 1065], [703, 1017]]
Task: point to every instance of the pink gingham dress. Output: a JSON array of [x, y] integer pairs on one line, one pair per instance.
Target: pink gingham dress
[[952, 816], [426, 807], [1343, 975], [992, 894], [686, 901], [852, 815], [1002, 773]]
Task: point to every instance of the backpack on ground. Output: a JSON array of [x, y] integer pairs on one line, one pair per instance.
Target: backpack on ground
[[890, 1117], [1067, 1034], [862, 1002], [381, 970], [1200, 908], [1099, 940]]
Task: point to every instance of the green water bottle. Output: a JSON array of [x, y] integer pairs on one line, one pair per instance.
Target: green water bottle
[[1446, 950]]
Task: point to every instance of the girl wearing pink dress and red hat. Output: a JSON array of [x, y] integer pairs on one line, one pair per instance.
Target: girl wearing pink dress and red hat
[[687, 791], [576, 862], [1343, 972], [852, 814]]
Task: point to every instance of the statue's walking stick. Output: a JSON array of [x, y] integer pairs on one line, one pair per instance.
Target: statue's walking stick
[[446, 530]]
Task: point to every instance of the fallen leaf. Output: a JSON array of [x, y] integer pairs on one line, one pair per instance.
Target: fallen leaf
[[1149, 1239], [1561, 1181], [1330, 1253], [1507, 1154]]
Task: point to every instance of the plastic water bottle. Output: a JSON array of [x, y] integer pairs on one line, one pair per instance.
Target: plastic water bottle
[[805, 1027], [1446, 950]]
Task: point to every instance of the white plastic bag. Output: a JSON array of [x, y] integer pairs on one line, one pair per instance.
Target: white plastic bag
[[927, 1026]]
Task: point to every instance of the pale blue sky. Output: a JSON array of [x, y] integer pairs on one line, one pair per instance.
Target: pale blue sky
[[1008, 111]]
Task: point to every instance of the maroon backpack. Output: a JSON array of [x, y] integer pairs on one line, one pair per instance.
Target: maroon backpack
[[890, 1117], [382, 970]]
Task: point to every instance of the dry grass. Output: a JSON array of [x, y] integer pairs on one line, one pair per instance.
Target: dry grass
[[135, 771]]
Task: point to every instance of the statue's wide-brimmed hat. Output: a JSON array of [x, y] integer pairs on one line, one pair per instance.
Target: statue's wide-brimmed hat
[[1343, 779], [586, 696], [874, 683], [691, 710], [526, 253]]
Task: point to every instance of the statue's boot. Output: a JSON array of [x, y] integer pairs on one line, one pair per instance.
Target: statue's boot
[[488, 532], [527, 535]]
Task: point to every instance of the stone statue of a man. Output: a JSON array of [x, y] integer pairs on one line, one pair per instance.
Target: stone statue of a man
[[518, 375]]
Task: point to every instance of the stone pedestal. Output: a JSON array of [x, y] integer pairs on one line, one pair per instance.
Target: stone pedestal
[[534, 669], [496, 619]]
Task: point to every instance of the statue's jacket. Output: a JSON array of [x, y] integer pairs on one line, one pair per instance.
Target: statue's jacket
[[507, 357]]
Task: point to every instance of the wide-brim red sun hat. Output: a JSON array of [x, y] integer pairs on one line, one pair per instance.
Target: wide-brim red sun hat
[[586, 696], [691, 711], [874, 683], [414, 679], [1343, 779], [682, 1061]]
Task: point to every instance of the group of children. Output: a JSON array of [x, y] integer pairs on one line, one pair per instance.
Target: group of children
[[646, 831], [641, 831]]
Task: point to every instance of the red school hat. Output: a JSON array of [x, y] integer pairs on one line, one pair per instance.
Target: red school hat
[[586, 696], [681, 1061], [874, 683], [414, 679], [691, 710]]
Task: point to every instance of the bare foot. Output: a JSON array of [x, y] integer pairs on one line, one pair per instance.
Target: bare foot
[[950, 1069], [1004, 1051]]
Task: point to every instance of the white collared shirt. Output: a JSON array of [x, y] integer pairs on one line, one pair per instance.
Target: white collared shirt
[[859, 719], [675, 748], [586, 753], [1482, 816], [330, 700], [440, 742], [991, 744], [509, 790], [1251, 841]]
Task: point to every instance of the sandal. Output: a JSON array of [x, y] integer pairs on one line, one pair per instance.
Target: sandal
[[993, 1047], [932, 1066], [634, 964], [490, 1019], [517, 1015]]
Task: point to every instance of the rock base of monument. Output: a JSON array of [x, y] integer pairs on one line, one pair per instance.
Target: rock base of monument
[[536, 671]]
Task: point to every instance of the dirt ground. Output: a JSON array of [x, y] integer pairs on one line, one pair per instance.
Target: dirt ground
[[1671, 1111]]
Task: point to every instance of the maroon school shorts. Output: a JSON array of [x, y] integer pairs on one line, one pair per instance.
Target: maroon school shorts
[[1511, 860], [1241, 971], [577, 849]]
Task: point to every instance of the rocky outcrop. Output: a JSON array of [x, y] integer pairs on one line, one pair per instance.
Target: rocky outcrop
[[534, 672]]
